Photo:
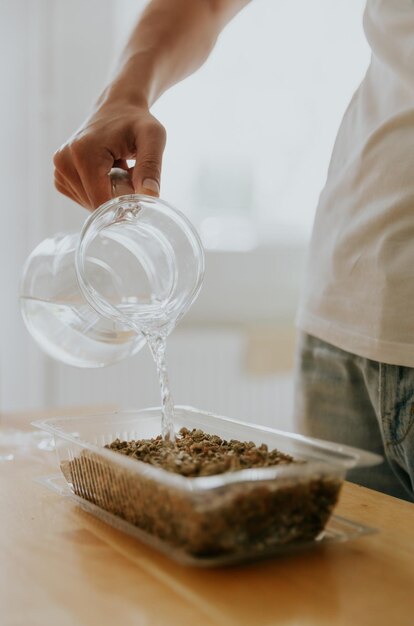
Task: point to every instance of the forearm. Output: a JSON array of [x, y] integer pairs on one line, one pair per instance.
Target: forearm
[[172, 39]]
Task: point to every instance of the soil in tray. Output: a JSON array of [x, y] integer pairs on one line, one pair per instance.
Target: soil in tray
[[234, 518], [196, 453]]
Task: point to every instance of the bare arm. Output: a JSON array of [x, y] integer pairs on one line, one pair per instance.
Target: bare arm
[[171, 40]]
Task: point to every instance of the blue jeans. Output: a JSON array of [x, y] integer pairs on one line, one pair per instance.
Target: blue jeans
[[348, 399]]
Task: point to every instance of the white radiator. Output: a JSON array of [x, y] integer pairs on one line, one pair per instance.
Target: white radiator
[[210, 368]]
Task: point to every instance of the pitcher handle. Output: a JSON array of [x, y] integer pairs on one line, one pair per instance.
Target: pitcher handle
[[121, 183]]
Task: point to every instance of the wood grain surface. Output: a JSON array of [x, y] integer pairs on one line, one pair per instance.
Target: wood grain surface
[[59, 566]]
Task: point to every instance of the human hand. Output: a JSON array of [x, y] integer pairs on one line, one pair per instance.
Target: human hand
[[117, 131]]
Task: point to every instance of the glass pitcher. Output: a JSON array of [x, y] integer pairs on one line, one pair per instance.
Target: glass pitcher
[[90, 298]]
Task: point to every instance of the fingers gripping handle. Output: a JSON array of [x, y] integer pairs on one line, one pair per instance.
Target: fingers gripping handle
[[121, 183]]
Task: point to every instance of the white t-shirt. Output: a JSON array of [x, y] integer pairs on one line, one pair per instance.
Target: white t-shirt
[[359, 289]]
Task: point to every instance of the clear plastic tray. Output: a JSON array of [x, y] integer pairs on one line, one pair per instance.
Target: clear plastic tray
[[236, 516], [337, 530]]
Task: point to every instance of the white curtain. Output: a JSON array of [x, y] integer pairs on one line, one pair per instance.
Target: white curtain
[[54, 59]]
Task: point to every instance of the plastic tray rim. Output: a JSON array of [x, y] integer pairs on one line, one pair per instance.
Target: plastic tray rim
[[336, 467]]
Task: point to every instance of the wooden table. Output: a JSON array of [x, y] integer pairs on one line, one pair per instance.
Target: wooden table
[[59, 566]]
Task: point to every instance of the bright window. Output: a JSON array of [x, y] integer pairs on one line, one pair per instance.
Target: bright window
[[250, 134]]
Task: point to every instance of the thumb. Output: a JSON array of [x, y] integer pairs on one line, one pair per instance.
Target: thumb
[[150, 146]]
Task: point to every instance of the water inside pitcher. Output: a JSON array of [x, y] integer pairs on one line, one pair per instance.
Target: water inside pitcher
[[90, 299]]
